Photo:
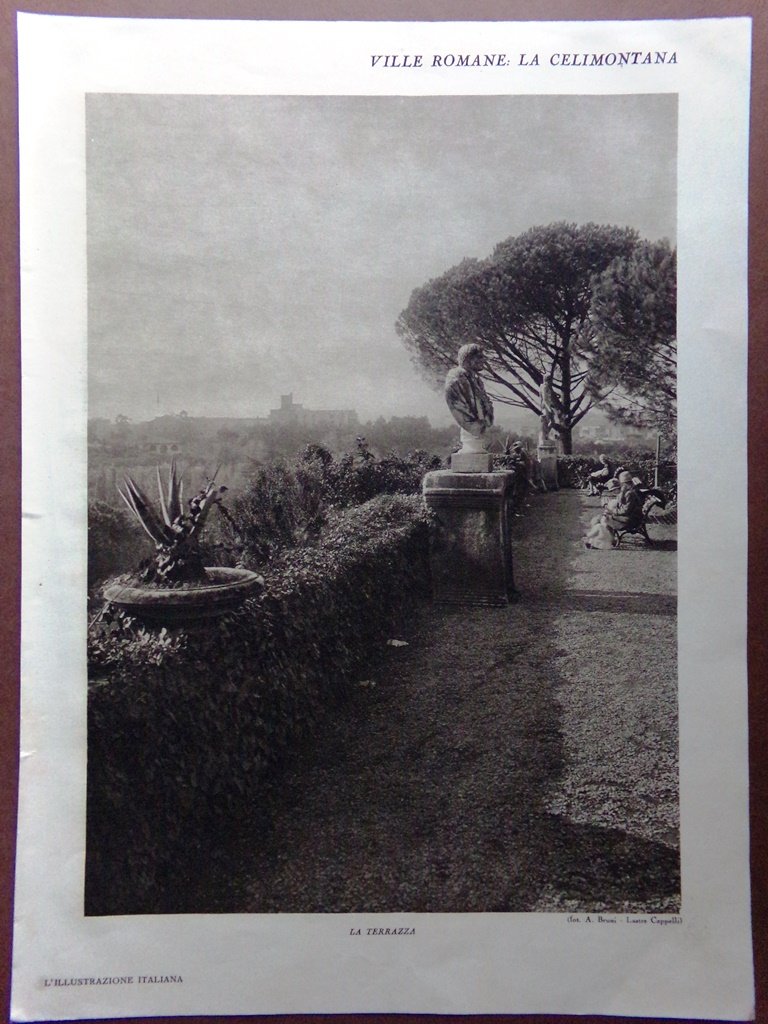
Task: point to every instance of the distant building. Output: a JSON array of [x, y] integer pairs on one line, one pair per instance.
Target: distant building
[[291, 413]]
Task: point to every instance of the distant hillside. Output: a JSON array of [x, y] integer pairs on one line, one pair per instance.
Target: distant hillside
[[200, 444]]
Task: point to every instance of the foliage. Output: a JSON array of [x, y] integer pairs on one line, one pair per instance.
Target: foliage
[[176, 533], [514, 457], [188, 728], [113, 540], [529, 306], [281, 508], [633, 348], [136, 447], [276, 506], [287, 504], [356, 478]]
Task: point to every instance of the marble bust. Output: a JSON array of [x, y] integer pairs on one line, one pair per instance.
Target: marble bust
[[467, 398]]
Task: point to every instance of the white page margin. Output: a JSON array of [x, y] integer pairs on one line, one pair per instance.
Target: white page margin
[[459, 963]]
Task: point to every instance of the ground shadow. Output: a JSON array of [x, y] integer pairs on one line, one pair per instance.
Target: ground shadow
[[635, 542], [587, 867], [429, 791], [664, 545], [620, 601]]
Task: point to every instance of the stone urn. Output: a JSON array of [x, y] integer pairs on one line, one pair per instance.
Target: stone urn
[[223, 590]]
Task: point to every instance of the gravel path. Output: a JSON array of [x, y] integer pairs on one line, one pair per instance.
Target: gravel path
[[506, 759]]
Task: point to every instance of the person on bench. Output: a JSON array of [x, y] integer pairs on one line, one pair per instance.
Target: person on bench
[[627, 512], [597, 480], [600, 535], [610, 495]]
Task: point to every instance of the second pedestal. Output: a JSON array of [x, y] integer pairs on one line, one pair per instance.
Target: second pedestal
[[547, 453], [470, 549]]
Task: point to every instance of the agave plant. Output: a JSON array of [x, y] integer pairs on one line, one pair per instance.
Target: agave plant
[[175, 532]]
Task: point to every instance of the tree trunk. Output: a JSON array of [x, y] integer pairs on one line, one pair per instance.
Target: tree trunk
[[565, 370]]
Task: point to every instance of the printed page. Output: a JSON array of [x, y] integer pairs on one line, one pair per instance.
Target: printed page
[[384, 628]]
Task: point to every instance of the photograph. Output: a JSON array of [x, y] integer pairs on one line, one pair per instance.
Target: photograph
[[382, 505]]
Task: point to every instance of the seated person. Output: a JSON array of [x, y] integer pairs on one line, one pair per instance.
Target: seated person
[[519, 461], [597, 480], [610, 494], [599, 535], [627, 511]]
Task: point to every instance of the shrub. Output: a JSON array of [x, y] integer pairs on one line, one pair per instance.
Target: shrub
[[573, 470], [358, 477], [287, 504], [188, 729], [115, 543], [282, 508]]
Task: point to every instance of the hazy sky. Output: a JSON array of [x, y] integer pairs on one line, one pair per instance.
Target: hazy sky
[[244, 247]]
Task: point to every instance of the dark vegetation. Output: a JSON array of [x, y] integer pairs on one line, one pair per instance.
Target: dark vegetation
[[189, 729], [283, 505], [174, 526], [115, 543], [289, 503], [633, 348]]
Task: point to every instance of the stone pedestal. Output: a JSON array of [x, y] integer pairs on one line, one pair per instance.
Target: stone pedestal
[[473, 456], [470, 462], [470, 548], [547, 453]]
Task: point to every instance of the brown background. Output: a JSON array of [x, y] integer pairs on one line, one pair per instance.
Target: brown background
[[389, 10]]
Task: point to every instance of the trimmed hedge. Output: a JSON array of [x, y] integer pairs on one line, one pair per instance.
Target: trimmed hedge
[[573, 470], [188, 729]]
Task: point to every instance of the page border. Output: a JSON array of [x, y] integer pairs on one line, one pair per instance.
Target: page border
[[397, 10]]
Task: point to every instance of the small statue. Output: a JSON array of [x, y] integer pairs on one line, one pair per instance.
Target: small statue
[[545, 425], [548, 414], [467, 398]]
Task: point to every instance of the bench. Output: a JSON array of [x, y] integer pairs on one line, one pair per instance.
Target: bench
[[640, 528]]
